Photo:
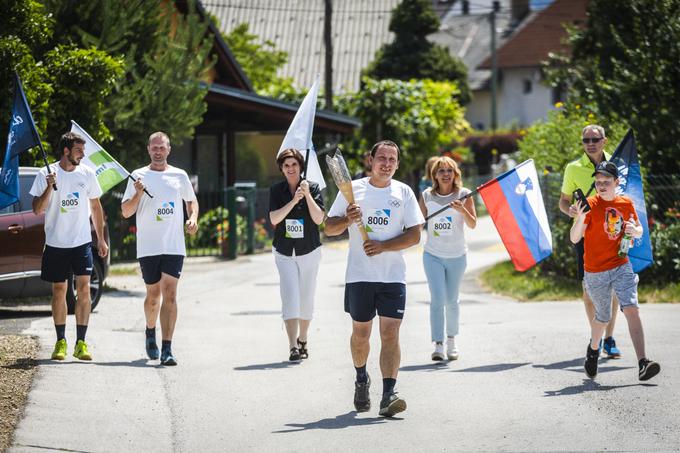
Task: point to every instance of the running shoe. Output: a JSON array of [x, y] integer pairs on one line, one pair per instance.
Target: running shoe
[[648, 369], [590, 364], [59, 352], [362, 397], [610, 348], [391, 405], [80, 351], [438, 354], [167, 358], [451, 349], [152, 348]]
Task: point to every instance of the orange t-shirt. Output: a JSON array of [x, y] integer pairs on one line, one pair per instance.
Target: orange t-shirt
[[604, 230]]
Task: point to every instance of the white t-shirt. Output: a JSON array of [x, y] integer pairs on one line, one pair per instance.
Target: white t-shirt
[[67, 218], [160, 220], [445, 231], [386, 213]]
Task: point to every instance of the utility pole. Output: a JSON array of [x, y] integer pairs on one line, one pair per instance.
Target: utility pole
[[494, 66], [328, 42]]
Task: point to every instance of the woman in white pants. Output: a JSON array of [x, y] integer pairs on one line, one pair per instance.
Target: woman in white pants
[[296, 210], [445, 252]]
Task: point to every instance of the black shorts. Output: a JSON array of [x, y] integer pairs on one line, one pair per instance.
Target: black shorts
[[153, 266], [58, 263], [578, 248], [364, 299]]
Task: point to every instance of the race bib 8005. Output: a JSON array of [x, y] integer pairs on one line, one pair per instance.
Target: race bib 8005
[[295, 228]]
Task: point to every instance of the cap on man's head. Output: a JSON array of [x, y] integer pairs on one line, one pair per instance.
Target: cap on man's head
[[607, 168]]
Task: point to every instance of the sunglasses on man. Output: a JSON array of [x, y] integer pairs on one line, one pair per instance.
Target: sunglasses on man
[[587, 140]]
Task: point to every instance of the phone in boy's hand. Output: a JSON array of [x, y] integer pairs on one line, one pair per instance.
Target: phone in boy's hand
[[581, 199]]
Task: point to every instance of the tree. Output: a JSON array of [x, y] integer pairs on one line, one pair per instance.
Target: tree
[[625, 62], [165, 57], [412, 56], [419, 115], [57, 79]]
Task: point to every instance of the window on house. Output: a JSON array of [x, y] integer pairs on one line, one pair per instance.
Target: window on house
[[527, 86]]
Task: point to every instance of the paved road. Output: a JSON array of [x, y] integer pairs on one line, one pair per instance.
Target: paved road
[[518, 386]]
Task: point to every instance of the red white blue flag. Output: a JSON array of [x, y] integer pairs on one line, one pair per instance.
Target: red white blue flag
[[515, 204]]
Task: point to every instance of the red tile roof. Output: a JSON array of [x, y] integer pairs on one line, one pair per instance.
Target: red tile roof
[[542, 34]]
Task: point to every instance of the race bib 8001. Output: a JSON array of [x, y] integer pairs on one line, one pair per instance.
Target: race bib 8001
[[377, 220], [295, 228]]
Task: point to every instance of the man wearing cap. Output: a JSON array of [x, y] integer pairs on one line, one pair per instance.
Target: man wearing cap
[[578, 174]]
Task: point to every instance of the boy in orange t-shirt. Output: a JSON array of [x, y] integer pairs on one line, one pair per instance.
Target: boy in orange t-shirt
[[602, 229]]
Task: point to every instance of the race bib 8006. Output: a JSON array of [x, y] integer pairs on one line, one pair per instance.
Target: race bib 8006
[[295, 228], [377, 220]]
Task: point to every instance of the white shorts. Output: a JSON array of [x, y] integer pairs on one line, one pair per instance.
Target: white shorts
[[297, 276]]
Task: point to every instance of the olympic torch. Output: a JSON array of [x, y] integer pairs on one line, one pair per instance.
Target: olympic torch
[[342, 179]]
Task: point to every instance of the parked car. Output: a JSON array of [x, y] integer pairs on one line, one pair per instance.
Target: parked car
[[22, 240]]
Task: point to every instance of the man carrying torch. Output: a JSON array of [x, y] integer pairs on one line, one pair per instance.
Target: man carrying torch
[[376, 271]]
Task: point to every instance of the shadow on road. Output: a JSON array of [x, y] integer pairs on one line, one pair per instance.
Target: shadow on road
[[589, 385], [562, 365], [268, 366], [434, 366], [139, 363], [340, 422], [491, 368]]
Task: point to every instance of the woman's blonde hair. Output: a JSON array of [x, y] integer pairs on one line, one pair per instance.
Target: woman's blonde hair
[[445, 161]]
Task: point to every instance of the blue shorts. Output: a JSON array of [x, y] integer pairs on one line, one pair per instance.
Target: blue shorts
[[154, 266], [621, 280], [364, 299], [58, 263]]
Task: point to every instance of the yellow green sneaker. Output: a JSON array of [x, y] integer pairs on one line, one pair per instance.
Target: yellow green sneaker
[[80, 351], [59, 352]]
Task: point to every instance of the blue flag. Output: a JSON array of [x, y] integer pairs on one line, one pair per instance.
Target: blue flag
[[630, 184], [22, 136]]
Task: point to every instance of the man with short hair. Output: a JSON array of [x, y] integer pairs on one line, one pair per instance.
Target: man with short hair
[[578, 174], [68, 238], [160, 238], [376, 270]]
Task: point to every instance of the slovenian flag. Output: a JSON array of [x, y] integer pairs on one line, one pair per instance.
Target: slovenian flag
[[109, 172], [630, 185], [515, 204]]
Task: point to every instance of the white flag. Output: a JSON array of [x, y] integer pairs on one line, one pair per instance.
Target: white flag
[[109, 172], [299, 135]]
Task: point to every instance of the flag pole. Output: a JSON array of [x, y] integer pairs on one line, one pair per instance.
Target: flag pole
[[467, 195], [306, 162]]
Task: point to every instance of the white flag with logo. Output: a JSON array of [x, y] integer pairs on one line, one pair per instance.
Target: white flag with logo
[[109, 172], [299, 135]]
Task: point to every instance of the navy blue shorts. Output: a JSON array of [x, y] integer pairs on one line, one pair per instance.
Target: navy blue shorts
[[58, 263], [154, 266], [364, 299]]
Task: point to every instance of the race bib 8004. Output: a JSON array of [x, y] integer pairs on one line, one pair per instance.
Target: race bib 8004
[[295, 228]]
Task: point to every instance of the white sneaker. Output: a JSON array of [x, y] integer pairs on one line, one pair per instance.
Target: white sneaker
[[451, 348], [438, 353]]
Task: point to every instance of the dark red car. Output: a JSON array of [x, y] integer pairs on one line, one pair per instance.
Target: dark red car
[[22, 239]]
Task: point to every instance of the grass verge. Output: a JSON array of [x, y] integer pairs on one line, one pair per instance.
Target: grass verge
[[17, 368], [502, 278]]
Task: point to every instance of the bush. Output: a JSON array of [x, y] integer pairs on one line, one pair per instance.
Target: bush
[[666, 267], [487, 148]]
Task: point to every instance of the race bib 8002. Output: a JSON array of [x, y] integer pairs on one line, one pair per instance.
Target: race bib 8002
[[295, 228], [442, 226]]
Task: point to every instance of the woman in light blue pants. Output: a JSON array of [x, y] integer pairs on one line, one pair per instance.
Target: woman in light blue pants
[[445, 256]]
